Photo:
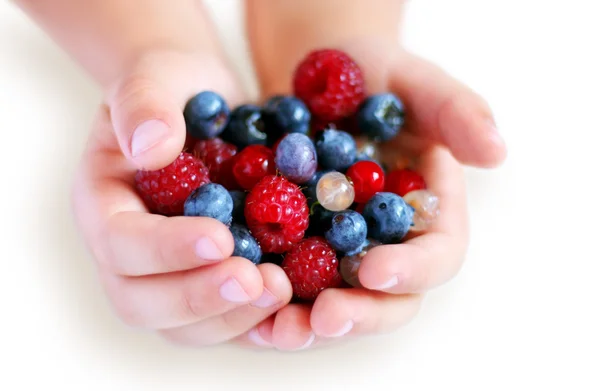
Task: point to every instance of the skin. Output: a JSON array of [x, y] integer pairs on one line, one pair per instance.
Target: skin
[[176, 275]]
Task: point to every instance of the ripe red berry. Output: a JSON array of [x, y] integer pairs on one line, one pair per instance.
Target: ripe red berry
[[217, 155], [312, 266], [164, 191], [367, 178], [252, 164], [276, 213], [330, 83], [403, 182]]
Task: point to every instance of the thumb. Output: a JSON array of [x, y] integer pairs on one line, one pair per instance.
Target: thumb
[[148, 122]]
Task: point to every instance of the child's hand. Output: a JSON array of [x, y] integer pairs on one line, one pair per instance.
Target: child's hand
[[174, 275], [447, 124]]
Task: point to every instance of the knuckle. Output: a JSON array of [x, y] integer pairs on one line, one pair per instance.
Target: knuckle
[[124, 308]]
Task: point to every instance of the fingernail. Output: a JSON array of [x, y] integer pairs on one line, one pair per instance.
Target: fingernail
[[309, 342], [390, 283], [232, 291], [147, 135], [266, 300], [254, 336], [208, 250], [344, 330], [493, 132]]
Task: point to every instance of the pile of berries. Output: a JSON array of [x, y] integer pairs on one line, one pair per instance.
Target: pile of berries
[[292, 186]]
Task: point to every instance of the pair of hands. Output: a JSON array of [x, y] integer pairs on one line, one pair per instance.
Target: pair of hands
[[176, 275]]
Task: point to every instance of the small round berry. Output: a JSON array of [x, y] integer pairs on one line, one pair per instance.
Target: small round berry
[[206, 115], [335, 192], [296, 158], [426, 206], [367, 178], [348, 231], [336, 149], [330, 83], [404, 181], [312, 267], [286, 114], [252, 164], [310, 187], [246, 127], [217, 155], [350, 264], [164, 191], [210, 200], [388, 217], [239, 203], [276, 213], [366, 150], [244, 244], [380, 117]]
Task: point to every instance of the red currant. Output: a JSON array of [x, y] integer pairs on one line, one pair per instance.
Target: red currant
[[367, 178], [403, 182], [252, 164]]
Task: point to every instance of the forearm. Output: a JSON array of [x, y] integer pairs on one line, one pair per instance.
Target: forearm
[[107, 36], [282, 32]]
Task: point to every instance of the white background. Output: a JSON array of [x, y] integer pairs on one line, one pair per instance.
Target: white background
[[523, 313]]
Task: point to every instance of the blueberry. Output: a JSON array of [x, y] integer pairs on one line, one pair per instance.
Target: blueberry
[[320, 220], [388, 217], [348, 231], [336, 149], [210, 200], [310, 187], [206, 115], [239, 202], [363, 245], [286, 114], [380, 117], [246, 127], [296, 158], [244, 244]]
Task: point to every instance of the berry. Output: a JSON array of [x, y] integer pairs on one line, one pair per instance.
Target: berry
[[310, 187], [217, 156], [366, 150], [367, 178], [164, 191], [330, 83], [296, 158], [388, 217], [244, 244], [380, 117], [335, 192], [426, 206], [403, 182], [246, 127], [285, 114], [206, 115], [252, 164], [312, 266], [336, 149], [350, 264], [239, 202], [276, 213], [210, 200], [348, 231]]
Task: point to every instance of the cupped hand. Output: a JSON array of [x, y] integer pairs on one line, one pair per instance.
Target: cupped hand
[[447, 125], [174, 275]]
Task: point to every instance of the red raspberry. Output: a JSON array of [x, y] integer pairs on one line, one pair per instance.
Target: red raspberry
[[367, 178], [252, 164], [312, 267], [330, 83], [277, 214], [217, 156], [403, 182], [164, 191]]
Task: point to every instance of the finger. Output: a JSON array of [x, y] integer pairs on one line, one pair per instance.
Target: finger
[[340, 312], [260, 336], [291, 329], [429, 259], [277, 293], [446, 111], [143, 243], [178, 299]]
